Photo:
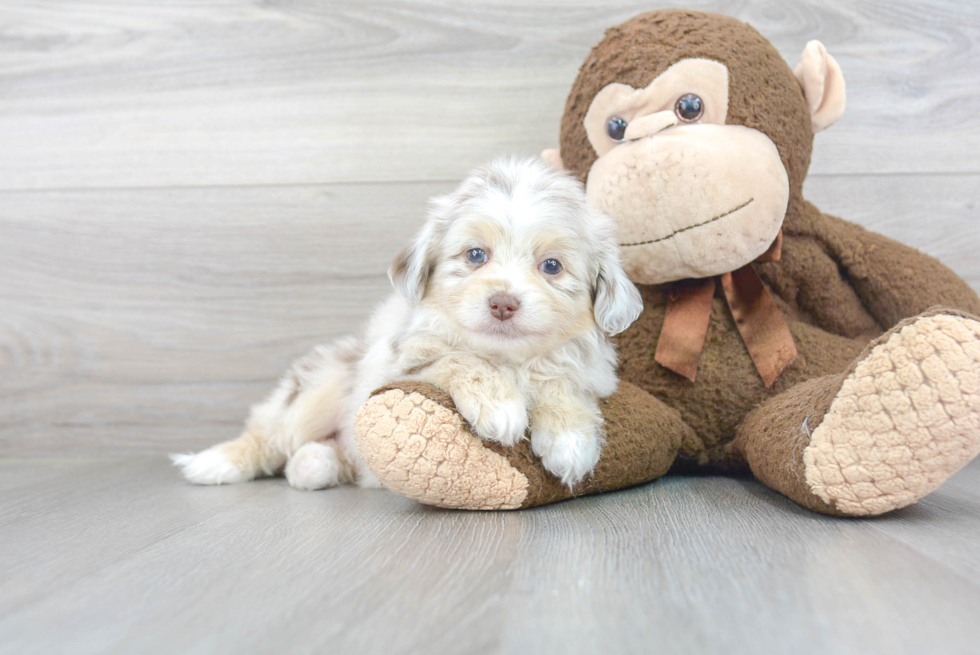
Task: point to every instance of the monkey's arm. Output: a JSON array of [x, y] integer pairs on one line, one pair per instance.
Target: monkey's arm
[[892, 280]]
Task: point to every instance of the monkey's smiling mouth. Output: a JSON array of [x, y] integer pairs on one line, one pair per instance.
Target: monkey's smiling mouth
[[691, 227]]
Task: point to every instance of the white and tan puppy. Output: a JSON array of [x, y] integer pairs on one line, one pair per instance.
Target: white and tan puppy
[[506, 299]]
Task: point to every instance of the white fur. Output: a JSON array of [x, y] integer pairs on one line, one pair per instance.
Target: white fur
[[546, 367], [504, 421], [574, 453], [314, 466], [208, 467]]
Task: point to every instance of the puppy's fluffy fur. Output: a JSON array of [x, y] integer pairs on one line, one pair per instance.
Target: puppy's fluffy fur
[[506, 299]]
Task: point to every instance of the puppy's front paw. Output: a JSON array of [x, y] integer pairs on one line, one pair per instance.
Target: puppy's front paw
[[504, 421], [569, 454]]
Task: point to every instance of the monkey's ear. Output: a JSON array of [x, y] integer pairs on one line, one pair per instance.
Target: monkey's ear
[[617, 301], [823, 85], [553, 156]]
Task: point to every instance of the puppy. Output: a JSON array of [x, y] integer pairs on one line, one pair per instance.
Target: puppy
[[506, 299]]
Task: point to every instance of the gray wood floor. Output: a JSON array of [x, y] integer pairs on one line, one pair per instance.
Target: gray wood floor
[[115, 556], [193, 193]]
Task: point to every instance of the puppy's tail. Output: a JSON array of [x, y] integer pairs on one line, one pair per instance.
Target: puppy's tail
[[309, 404]]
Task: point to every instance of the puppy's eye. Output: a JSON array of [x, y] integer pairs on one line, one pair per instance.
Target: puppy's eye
[[550, 266], [616, 128], [477, 256], [689, 108]]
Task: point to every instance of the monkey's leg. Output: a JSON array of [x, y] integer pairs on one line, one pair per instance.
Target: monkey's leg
[[418, 445], [891, 429]]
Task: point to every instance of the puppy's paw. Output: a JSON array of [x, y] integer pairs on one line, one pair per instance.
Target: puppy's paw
[[209, 466], [314, 466], [568, 454], [504, 422]]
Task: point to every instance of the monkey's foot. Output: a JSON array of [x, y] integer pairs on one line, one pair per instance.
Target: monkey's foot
[[417, 444], [423, 450], [905, 419]]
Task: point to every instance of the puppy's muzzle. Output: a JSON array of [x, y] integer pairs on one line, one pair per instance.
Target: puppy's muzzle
[[503, 305]]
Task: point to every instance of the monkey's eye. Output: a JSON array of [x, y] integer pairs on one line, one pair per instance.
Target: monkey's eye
[[616, 128], [550, 266], [477, 256], [689, 108]]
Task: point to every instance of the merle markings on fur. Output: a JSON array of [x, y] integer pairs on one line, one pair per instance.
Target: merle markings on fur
[[506, 299]]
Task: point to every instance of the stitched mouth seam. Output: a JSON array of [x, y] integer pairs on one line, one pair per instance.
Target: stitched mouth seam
[[691, 227]]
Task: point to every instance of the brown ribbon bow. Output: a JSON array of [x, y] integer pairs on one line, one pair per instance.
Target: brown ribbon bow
[[762, 327]]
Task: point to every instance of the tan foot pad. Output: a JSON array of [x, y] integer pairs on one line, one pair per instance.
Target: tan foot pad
[[422, 450], [906, 419]]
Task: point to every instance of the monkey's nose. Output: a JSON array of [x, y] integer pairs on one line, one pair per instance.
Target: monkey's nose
[[650, 124], [503, 305]]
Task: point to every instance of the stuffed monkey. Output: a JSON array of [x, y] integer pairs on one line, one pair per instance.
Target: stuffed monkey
[[839, 367]]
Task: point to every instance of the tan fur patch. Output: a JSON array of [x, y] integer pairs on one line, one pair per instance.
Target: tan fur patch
[[252, 454], [244, 453], [906, 419], [480, 233], [423, 451]]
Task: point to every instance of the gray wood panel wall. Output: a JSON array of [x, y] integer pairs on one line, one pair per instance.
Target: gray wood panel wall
[[191, 194]]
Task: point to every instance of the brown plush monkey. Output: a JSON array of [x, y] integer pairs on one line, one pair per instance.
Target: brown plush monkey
[[838, 366]]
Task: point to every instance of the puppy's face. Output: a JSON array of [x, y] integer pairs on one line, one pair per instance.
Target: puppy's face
[[515, 257], [508, 271]]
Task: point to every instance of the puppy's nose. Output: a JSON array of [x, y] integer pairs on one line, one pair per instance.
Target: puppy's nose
[[503, 305]]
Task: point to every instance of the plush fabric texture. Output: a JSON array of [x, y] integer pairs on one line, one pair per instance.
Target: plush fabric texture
[[823, 85], [904, 420], [687, 204], [882, 402], [773, 437], [420, 447], [763, 93], [708, 79]]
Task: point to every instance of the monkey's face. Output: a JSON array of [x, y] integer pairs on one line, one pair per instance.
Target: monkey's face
[[692, 196]]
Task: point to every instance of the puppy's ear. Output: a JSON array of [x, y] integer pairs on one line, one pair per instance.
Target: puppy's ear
[[617, 302], [409, 272]]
